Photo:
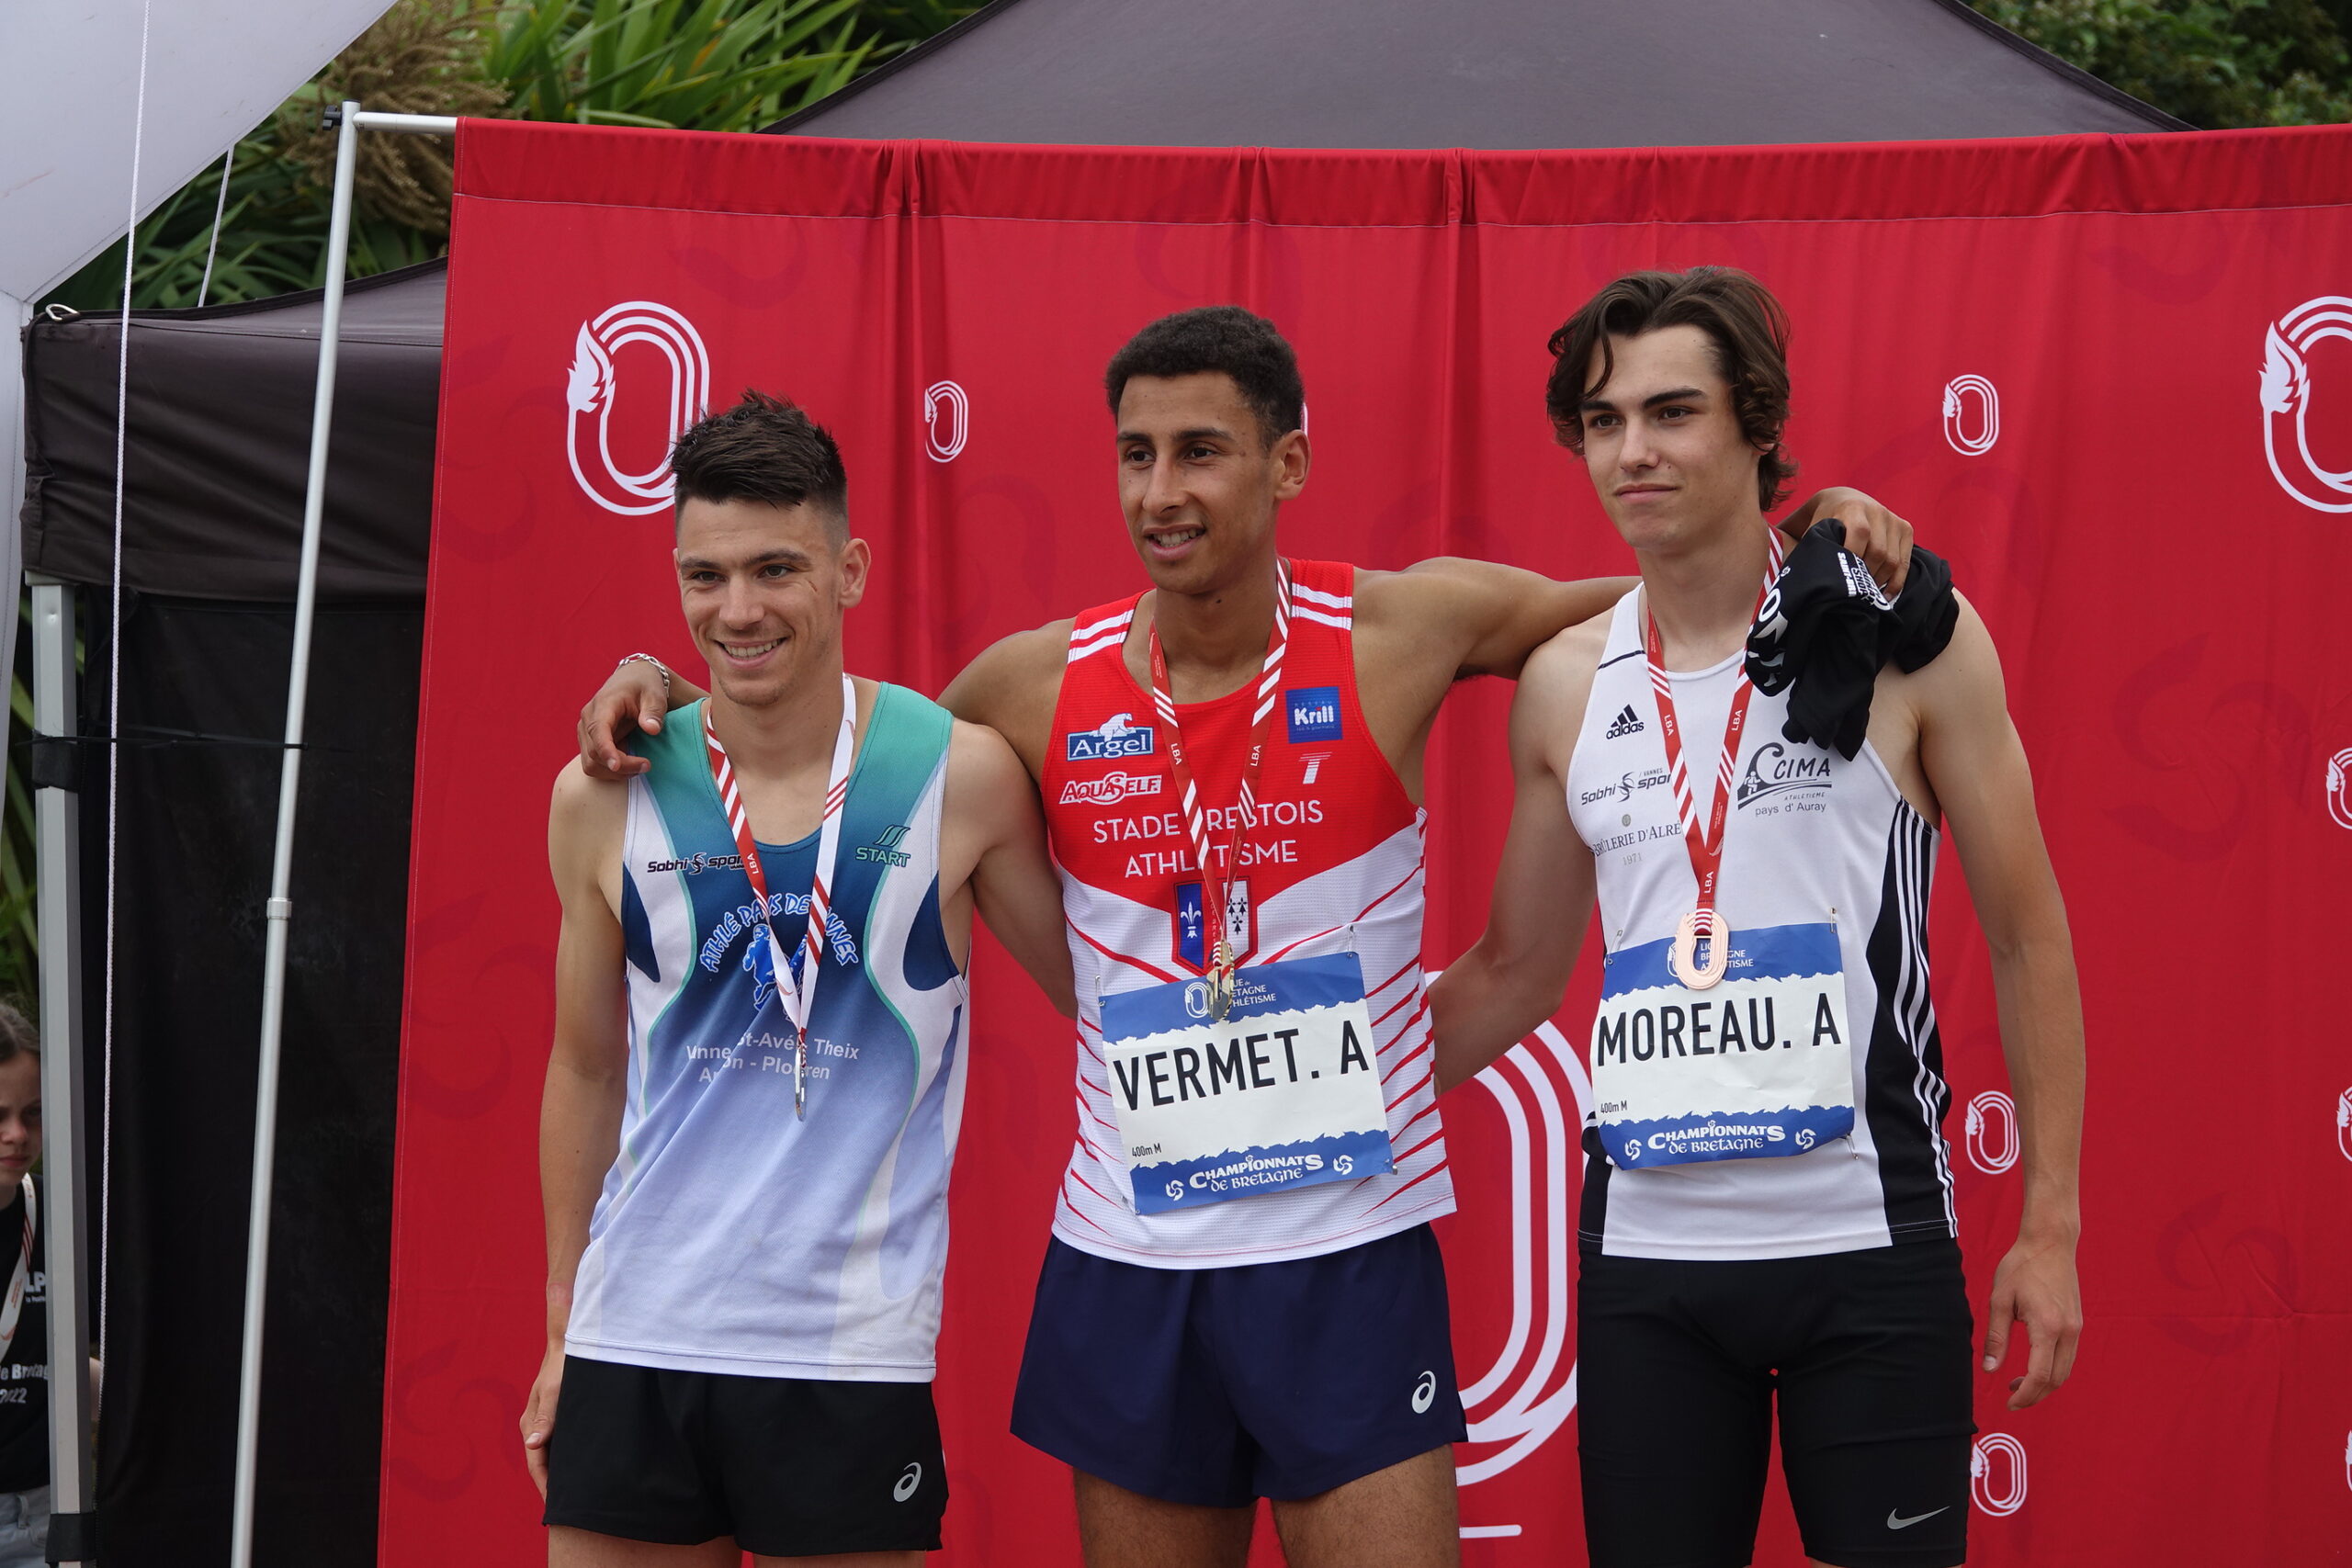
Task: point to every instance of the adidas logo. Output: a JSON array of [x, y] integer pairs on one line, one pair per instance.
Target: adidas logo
[[1627, 722]]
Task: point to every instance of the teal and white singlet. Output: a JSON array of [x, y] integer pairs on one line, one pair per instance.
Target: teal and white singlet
[[731, 1237]]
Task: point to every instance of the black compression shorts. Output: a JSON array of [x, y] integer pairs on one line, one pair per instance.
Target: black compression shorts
[[1678, 1364]]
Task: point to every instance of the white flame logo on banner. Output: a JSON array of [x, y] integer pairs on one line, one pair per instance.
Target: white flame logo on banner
[[2286, 395], [2339, 787], [1989, 1151], [1998, 1496], [1510, 1403], [949, 397], [1957, 393], [2344, 1124], [588, 394]]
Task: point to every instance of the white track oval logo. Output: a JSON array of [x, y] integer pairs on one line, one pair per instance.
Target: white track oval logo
[[1959, 393], [2339, 787], [908, 1482], [947, 420], [2287, 401], [2344, 1124], [1993, 1132], [1996, 1474], [589, 396]]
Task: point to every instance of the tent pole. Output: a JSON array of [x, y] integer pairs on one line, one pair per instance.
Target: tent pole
[[279, 911], [65, 1184]]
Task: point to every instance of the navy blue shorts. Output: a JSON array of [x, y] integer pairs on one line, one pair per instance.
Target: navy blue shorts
[[1218, 1386]]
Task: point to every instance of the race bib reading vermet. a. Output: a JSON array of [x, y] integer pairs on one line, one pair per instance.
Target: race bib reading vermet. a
[[1284, 1092], [1758, 1067]]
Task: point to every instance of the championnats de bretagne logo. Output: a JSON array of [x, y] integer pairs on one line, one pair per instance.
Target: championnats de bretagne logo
[[1989, 1150], [1958, 394], [2287, 401], [945, 437], [589, 399]]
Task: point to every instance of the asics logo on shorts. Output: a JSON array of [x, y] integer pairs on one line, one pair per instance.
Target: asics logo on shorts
[[1425, 1394], [908, 1482]]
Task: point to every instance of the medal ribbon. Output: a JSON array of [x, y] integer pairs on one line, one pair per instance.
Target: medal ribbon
[[799, 993], [1220, 954], [14, 1306], [1705, 843]]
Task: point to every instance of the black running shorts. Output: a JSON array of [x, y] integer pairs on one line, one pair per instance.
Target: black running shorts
[[789, 1467], [1678, 1367]]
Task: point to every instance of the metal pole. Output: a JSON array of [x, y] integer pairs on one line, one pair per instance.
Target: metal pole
[[65, 1185], [280, 908]]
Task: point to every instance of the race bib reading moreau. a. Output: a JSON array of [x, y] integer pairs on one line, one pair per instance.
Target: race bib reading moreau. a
[[1284, 1092], [1755, 1067]]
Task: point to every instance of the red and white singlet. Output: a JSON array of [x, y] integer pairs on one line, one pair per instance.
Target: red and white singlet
[[1331, 863]]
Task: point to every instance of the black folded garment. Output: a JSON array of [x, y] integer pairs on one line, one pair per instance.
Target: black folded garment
[[1834, 630]]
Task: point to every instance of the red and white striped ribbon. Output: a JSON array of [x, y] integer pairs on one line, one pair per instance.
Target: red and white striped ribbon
[[798, 994], [1705, 843], [1217, 956]]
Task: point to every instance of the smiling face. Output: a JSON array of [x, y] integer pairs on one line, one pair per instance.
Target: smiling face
[[763, 588], [1663, 442], [19, 1119], [1200, 481]]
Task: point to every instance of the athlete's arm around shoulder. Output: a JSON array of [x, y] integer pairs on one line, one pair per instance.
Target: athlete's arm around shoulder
[[993, 840], [1012, 686], [579, 1109], [1975, 764], [1513, 976]]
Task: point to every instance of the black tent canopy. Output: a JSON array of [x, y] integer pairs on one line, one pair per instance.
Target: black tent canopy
[[219, 416]]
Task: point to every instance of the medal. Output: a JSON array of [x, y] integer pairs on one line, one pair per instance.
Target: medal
[[1221, 956], [1704, 842], [799, 992]]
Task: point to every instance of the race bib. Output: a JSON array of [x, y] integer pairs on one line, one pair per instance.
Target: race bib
[[1284, 1092], [1758, 1067]]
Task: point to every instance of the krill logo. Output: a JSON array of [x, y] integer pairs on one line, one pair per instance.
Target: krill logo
[[1958, 394], [945, 437], [1990, 1150], [1999, 1494], [1425, 1394], [2287, 401], [2339, 788], [2344, 1124], [912, 1479], [1772, 770], [589, 396]]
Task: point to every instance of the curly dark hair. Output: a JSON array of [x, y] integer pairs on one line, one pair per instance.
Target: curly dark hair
[[766, 449], [1746, 325], [1224, 338]]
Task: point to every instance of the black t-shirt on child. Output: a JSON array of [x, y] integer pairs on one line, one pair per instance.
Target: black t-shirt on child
[[24, 1372]]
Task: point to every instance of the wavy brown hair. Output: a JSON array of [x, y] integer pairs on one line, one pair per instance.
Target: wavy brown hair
[[1745, 324]]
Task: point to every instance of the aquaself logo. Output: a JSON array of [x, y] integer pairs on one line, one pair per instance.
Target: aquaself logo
[[1117, 736], [589, 399], [2286, 403], [1111, 788], [1313, 713], [885, 847]]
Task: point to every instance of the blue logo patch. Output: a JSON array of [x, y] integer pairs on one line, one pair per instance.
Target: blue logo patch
[[1114, 737], [1314, 712]]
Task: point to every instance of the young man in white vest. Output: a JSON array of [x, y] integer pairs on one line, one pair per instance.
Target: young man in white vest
[[1767, 1213]]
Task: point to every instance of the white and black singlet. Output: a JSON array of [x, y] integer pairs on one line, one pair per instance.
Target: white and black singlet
[[1809, 838]]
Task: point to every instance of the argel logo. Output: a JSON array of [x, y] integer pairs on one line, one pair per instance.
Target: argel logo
[[1110, 789], [2287, 401], [589, 397], [1116, 735], [945, 437], [1314, 712], [1959, 392], [1996, 1474], [908, 1483], [1993, 1141], [2339, 788]]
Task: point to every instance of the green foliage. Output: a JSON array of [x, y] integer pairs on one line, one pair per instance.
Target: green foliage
[[2215, 63]]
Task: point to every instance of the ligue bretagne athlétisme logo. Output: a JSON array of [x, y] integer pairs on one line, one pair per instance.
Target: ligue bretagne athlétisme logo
[[2287, 401], [589, 400]]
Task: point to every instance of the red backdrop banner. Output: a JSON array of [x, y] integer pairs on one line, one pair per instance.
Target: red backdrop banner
[[2111, 377]]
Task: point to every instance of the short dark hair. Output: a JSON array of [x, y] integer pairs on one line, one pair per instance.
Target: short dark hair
[[1746, 325], [766, 449], [1223, 338]]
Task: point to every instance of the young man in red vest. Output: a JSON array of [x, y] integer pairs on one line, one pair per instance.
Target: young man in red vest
[[1243, 1298]]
